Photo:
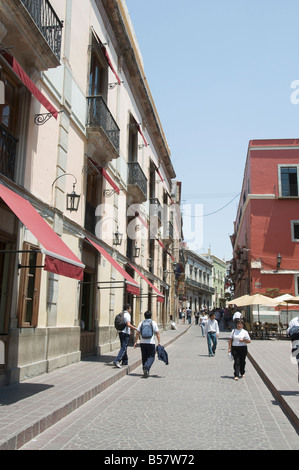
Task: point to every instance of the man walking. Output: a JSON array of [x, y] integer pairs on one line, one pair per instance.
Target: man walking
[[147, 330], [212, 332], [124, 336]]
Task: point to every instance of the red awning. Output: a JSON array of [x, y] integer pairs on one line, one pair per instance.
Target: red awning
[[132, 285], [140, 132], [160, 297], [29, 83], [59, 258], [106, 55], [158, 171], [105, 174]]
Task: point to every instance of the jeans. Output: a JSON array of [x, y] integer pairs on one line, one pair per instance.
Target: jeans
[[212, 338], [147, 354], [122, 355]]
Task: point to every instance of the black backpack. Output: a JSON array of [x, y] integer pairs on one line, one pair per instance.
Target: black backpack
[[119, 321], [146, 329]]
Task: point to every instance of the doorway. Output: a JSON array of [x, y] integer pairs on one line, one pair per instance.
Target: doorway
[[87, 315]]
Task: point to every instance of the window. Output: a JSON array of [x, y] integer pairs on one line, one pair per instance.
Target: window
[[288, 181], [29, 286], [295, 230], [94, 187], [133, 140], [98, 77], [8, 116], [296, 284]]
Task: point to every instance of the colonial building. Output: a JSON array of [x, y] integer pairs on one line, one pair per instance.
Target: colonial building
[[219, 280], [88, 217], [266, 231], [197, 288]]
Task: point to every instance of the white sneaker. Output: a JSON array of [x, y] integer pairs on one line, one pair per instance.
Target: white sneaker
[[117, 364]]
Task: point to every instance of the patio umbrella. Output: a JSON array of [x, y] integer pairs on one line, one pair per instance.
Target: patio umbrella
[[294, 300], [287, 299], [284, 298], [255, 299]]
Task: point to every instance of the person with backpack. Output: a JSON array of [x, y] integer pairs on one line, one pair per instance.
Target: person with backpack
[[147, 330], [124, 336]]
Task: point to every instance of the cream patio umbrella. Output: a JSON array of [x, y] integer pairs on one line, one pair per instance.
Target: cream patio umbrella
[[255, 299], [287, 299]]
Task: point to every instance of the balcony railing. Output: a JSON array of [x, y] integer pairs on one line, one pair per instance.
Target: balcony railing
[[100, 116], [8, 147], [136, 177], [47, 22], [199, 285]]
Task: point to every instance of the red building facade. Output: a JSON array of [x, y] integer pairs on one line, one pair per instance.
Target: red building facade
[[266, 231]]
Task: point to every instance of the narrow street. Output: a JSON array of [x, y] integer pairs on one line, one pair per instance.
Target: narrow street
[[191, 404]]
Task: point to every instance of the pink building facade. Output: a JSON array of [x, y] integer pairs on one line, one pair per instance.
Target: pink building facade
[[266, 231]]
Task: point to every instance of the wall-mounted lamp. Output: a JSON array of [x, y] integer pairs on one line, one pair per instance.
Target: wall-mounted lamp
[[118, 238], [72, 199], [278, 260], [136, 252]]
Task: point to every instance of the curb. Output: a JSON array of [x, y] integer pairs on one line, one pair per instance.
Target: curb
[[284, 405]]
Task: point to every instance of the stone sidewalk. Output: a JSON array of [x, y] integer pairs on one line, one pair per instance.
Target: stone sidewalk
[[29, 408]]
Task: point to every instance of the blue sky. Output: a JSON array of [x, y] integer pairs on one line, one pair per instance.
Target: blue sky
[[220, 72]]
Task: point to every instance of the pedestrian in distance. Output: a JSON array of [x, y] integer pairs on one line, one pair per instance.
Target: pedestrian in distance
[[237, 315], [124, 337], [202, 321], [237, 346], [147, 330], [212, 332], [189, 315]]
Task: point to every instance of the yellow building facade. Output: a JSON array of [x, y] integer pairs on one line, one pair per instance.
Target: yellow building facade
[[89, 213]]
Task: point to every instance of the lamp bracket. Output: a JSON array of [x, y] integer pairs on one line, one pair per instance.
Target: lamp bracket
[[41, 119]]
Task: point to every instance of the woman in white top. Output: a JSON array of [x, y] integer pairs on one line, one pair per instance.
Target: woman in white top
[[202, 322], [237, 345]]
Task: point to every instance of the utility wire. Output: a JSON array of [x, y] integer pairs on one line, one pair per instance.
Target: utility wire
[[211, 213]]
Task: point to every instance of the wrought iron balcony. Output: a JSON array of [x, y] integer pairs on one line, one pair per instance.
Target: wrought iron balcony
[[199, 285], [33, 32], [8, 146], [47, 22], [102, 130], [137, 183]]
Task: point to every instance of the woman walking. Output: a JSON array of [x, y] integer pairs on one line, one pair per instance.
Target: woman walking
[[237, 346]]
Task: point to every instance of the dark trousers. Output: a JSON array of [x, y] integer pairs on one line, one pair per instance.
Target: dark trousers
[[239, 354], [147, 355], [122, 355]]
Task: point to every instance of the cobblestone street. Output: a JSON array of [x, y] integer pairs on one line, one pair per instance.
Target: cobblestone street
[[191, 404]]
